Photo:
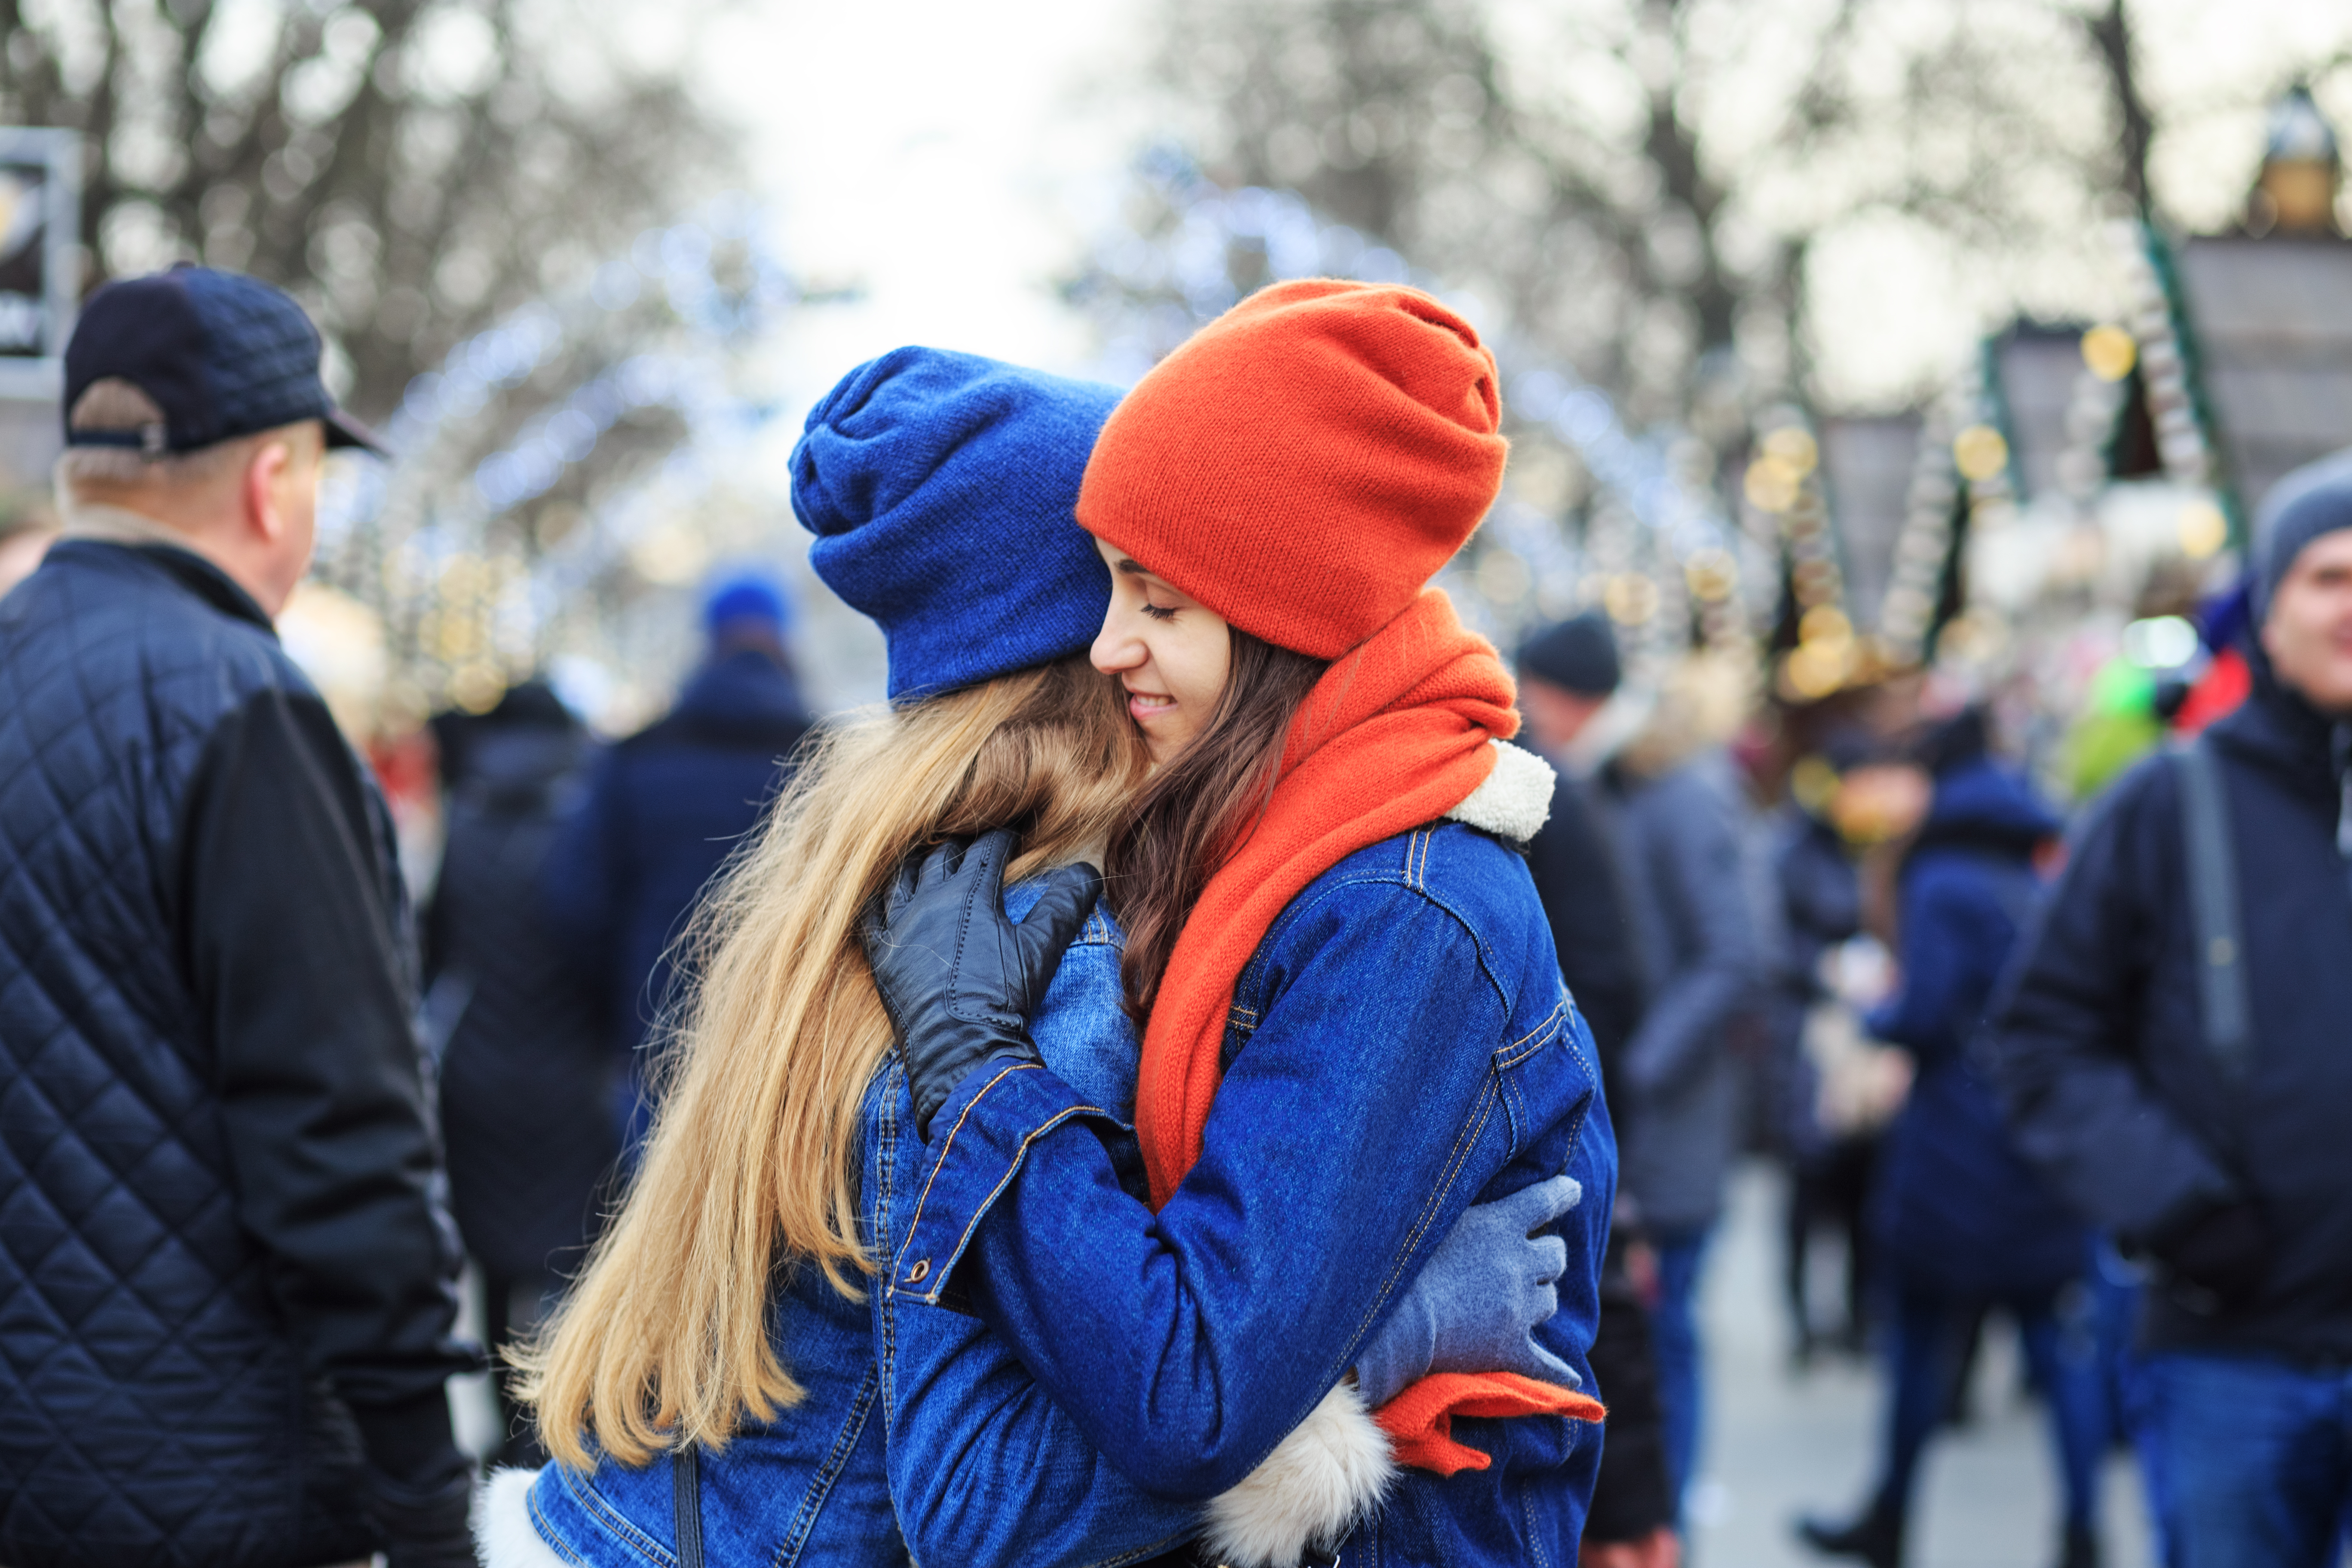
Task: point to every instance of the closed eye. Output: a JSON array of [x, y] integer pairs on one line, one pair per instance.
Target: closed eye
[[1161, 612]]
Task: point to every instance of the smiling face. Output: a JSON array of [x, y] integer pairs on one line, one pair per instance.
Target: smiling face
[[1170, 652], [2308, 631]]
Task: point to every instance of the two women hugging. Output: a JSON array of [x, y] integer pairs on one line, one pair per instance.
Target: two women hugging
[[1129, 1109]]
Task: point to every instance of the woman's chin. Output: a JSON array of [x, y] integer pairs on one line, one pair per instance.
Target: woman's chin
[[1162, 737]]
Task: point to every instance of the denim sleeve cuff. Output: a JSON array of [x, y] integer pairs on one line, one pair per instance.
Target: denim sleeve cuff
[[983, 1132]]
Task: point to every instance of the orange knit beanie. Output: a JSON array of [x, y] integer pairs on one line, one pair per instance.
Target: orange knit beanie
[[1307, 462]]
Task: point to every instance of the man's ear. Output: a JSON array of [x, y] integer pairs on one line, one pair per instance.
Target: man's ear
[[263, 514]]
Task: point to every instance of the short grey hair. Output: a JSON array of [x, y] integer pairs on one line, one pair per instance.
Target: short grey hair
[[113, 404]]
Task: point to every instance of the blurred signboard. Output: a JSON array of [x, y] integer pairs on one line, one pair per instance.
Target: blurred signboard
[[2272, 321], [40, 255], [2036, 366], [1866, 466]]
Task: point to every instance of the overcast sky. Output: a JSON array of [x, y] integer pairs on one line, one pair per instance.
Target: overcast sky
[[945, 156]]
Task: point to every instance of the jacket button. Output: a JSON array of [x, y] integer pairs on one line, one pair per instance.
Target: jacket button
[[915, 1275]]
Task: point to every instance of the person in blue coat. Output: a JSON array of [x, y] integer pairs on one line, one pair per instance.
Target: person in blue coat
[[662, 811], [1960, 1221]]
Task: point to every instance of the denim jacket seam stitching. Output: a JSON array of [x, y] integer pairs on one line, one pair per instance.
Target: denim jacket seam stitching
[[939, 1164], [980, 1210], [1253, 972], [1302, 906], [820, 1490], [1550, 1029], [1455, 1158], [888, 1145], [1478, 942], [544, 1530], [593, 1503], [1528, 1512]]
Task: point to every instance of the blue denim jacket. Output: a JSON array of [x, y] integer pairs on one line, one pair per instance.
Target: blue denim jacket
[[1399, 1045], [917, 1419]]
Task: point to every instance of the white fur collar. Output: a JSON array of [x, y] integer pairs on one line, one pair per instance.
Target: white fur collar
[[1329, 1473], [503, 1531], [1515, 800]]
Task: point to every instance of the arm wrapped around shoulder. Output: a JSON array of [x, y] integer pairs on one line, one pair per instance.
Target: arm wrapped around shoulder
[[1319, 1481]]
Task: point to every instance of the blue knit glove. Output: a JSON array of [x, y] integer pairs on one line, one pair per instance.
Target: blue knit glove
[[1475, 1307]]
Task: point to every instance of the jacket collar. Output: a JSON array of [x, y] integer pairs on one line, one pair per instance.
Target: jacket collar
[[2279, 731], [110, 531]]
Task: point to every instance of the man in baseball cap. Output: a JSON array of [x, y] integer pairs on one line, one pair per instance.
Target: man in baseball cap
[[231, 1277]]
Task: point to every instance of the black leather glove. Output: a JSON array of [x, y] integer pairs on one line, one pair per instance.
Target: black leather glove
[[958, 978], [2223, 1251], [419, 1483], [425, 1523]]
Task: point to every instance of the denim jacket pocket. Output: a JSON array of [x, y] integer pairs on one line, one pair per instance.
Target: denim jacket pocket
[[1549, 1067]]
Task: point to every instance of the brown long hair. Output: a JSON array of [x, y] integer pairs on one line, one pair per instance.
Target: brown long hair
[[1200, 808], [753, 1161]]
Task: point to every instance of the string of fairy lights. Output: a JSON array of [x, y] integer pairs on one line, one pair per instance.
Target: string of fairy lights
[[440, 543]]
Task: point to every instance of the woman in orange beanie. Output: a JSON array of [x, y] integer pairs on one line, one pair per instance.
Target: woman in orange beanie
[[1354, 1027]]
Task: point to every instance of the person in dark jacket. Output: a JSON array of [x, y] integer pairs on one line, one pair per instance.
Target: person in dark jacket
[[1961, 1222], [661, 812], [1567, 673], [527, 1072], [228, 1277], [1677, 805], [2215, 1146]]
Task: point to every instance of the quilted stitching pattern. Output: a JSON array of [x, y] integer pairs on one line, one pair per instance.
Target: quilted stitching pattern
[[263, 364], [150, 1405]]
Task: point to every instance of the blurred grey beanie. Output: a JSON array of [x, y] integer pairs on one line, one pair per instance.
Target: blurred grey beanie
[[1578, 655], [2315, 499]]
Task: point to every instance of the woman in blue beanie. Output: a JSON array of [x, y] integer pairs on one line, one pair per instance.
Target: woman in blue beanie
[[718, 1383]]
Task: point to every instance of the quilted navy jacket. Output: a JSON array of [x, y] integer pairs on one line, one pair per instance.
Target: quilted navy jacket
[[226, 1276]]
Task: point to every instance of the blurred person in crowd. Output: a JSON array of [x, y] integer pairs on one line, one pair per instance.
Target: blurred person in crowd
[[527, 1069], [1567, 673], [2173, 1056], [1960, 1221], [231, 1281], [662, 811], [1679, 810], [2225, 682], [1829, 1165]]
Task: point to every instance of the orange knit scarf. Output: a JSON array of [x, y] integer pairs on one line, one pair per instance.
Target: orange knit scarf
[[1395, 735]]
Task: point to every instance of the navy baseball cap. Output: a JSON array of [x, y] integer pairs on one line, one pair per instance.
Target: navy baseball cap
[[222, 355]]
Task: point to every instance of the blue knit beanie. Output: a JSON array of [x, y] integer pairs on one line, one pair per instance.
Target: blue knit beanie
[[939, 487], [2315, 499]]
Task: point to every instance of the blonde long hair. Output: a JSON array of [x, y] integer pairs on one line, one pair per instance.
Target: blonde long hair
[[754, 1157]]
